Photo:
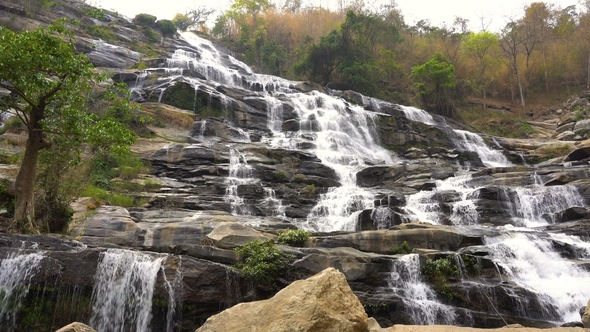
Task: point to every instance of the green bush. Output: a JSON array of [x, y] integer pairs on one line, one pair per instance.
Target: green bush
[[151, 35], [402, 249], [145, 20], [166, 27], [309, 190], [438, 272], [280, 176], [262, 262], [101, 31], [293, 237]]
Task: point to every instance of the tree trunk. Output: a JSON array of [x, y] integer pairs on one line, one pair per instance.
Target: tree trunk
[[24, 206]]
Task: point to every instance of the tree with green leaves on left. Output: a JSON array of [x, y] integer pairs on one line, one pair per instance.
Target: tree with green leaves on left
[[435, 81], [48, 83]]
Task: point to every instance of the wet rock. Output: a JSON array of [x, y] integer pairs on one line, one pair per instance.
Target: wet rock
[[417, 235], [233, 235]]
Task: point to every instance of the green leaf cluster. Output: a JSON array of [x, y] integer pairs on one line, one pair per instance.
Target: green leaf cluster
[[435, 82], [293, 237], [438, 272], [263, 262], [402, 249]]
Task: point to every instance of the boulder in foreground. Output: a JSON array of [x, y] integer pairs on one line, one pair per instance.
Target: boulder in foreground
[[76, 327], [321, 303]]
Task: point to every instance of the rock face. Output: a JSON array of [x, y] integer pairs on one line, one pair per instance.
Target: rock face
[[321, 303], [261, 155], [586, 316]]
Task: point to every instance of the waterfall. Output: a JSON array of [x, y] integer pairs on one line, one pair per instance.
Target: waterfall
[[240, 173], [174, 296], [465, 140], [532, 263], [532, 206], [273, 206], [123, 290], [418, 115], [419, 298], [16, 272], [426, 205], [469, 141]]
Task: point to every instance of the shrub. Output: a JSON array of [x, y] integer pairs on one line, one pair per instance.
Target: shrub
[[402, 249], [151, 35], [438, 272], [309, 190], [280, 176], [145, 20], [262, 262], [166, 27], [293, 237]]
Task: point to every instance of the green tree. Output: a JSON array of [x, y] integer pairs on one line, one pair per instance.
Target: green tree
[[483, 49], [251, 7], [48, 81], [145, 20], [435, 81], [181, 22], [166, 27]]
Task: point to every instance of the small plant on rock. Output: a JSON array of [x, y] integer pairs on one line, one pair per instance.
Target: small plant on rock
[[402, 249], [438, 271], [262, 262], [293, 237]]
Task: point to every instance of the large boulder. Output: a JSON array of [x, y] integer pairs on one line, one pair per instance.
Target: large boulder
[[323, 302], [76, 327], [450, 328], [586, 316]]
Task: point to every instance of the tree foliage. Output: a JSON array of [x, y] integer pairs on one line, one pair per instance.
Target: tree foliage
[[435, 81], [145, 20], [49, 82], [181, 21]]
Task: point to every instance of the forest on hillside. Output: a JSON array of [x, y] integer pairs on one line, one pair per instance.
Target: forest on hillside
[[373, 50]]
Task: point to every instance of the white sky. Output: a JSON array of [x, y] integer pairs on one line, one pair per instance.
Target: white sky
[[494, 12]]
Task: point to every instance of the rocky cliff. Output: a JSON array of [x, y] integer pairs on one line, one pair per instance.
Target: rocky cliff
[[496, 232]]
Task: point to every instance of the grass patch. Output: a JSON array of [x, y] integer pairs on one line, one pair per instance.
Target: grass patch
[[111, 198], [494, 123], [163, 116], [553, 151]]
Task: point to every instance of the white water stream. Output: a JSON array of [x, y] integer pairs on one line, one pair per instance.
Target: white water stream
[[420, 300], [16, 272], [123, 290]]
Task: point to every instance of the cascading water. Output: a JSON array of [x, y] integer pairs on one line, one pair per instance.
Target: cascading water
[[124, 286], [341, 136], [16, 272], [240, 173], [532, 263], [344, 142], [426, 205], [420, 300], [535, 206], [464, 140]]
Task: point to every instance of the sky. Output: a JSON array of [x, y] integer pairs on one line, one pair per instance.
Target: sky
[[492, 13]]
